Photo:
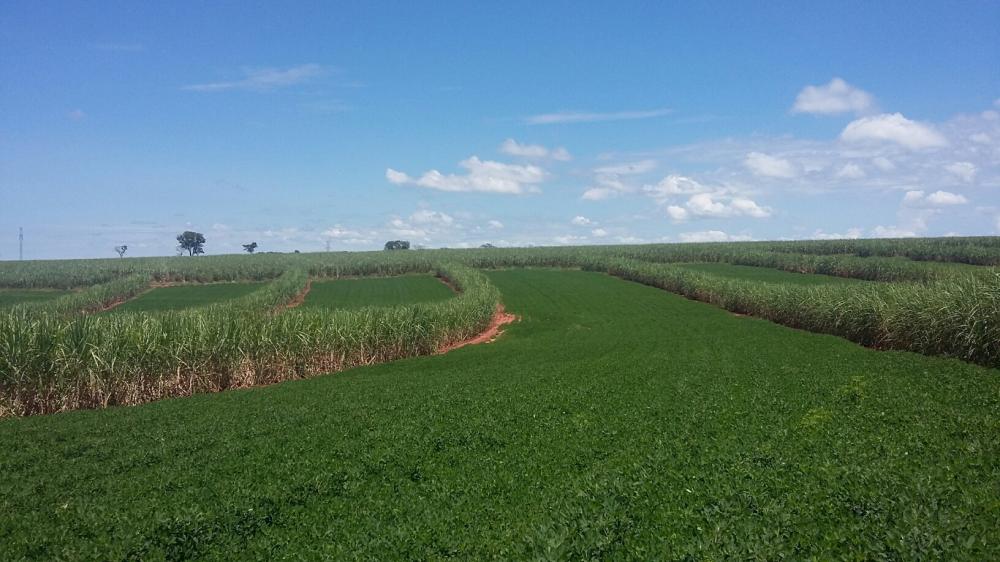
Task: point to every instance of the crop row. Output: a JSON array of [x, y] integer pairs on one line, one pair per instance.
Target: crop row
[[51, 363], [955, 318], [882, 260]]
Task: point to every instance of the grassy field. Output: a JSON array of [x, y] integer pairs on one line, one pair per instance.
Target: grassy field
[[767, 275], [614, 420], [10, 297], [376, 291], [186, 296]]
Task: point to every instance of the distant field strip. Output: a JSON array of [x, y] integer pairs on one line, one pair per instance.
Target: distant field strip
[[614, 421], [182, 297], [765, 274], [10, 297], [376, 291]]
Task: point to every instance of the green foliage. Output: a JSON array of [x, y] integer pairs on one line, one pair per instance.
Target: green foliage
[[186, 296], [397, 245], [191, 242], [614, 421], [376, 291], [10, 297]]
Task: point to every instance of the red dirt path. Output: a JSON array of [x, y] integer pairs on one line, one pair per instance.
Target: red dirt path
[[500, 319]]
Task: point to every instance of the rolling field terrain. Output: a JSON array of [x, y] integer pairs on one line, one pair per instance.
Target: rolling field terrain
[[768, 275], [186, 296], [614, 420], [10, 297], [376, 291]]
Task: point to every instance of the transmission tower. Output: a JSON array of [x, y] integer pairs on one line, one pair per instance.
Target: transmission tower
[[20, 243]]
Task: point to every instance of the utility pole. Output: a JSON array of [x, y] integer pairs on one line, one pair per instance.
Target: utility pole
[[327, 244], [20, 243]]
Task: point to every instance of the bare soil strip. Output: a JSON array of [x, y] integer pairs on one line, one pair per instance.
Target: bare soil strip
[[500, 319], [300, 298]]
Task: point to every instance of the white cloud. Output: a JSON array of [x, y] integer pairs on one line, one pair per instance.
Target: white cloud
[[569, 239], [599, 232], [836, 97], [946, 198], [966, 171], [892, 232], [883, 163], [537, 151], [851, 171], [599, 193], [581, 221], [707, 205], [628, 168], [981, 138], [917, 198], [769, 166], [426, 216], [674, 185], [591, 117], [851, 234], [895, 128], [495, 224], [484, 176], [341, 233], [713, 236], [998, 224], [677, 213], [262, 79]]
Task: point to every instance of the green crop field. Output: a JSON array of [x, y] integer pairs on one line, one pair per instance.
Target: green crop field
[[785, 400], [10, 297], [186, 296], [574, 436], [765, 274], [376, 291]]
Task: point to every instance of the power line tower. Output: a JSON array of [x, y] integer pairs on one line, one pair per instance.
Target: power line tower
[[20, 243]]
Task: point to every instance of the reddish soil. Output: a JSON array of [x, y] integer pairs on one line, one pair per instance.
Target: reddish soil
[[301, 297], [448, 282], [492, 332]]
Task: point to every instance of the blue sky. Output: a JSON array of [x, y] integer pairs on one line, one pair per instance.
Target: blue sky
[[302, 125]]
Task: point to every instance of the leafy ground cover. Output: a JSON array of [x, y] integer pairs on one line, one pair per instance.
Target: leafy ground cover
[[181, 297], [614, 420], [376, 291], [768, 275], [10, 297]]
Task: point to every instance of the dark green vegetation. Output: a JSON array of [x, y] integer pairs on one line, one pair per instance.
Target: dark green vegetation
[[10, 297], [764, 274], [613, 421], [376, 291], [186, 296]]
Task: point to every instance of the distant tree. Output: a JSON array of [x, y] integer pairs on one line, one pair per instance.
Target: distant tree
[[296, 252], [191, 242], [487, 245], [397, 245], [249, 248], [121, 250]]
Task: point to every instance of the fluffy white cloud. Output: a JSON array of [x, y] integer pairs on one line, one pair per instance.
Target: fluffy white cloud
[[484, 176], [591, 117], [674, 185], [341, 233], [514, 148], [599, 193], [836, 97], [713, 236], [851, 234], [769, 166], [495, 224], [917, 198], [707, 205], [883, 163], [892, 232], [893, 127], [851, 171], [599, 232], [262, 79], [966, 171], [581, 221]]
